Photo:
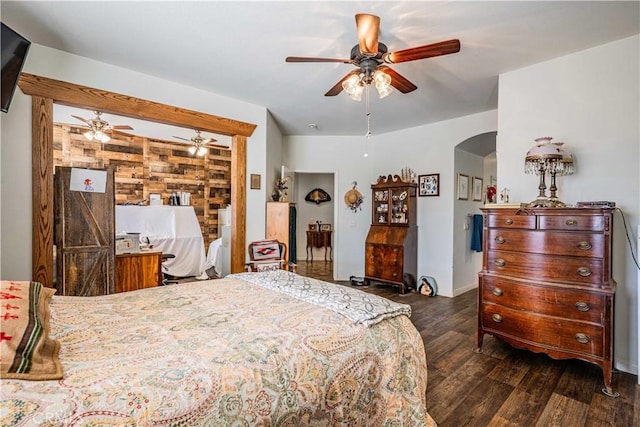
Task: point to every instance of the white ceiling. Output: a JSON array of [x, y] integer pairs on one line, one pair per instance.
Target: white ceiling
[[237, 49]]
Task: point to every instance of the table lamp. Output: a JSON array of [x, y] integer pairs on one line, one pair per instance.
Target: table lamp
[[540, 160]]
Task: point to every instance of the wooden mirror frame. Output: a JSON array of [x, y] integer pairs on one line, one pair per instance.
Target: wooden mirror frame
[[45, 92]]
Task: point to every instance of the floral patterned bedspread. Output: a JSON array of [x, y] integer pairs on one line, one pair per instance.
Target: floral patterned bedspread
[[222, 352]]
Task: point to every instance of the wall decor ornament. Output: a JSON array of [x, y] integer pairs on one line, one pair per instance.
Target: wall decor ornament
[[463, 186], [429, 185], [317, 196], [477, 189], [353, 198], [255, 181]]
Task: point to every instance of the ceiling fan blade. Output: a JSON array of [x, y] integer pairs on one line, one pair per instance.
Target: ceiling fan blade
[[126, 127], [398, 81], [335, 90], [422, 52], [184, 139], [82, 120], [115, 131], [368, 27], [304, 59], [209, 141]]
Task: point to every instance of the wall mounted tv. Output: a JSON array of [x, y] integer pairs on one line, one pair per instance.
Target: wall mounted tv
[[14, 52]]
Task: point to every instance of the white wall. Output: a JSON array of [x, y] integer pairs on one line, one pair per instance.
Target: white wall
[[342, 157], [466, 263], [591, 101], [310, 212], [426, 149], [16, 140]]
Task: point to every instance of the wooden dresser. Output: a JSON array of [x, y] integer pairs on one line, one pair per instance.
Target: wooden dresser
[[391, 253], [281, 226], [546, 283]]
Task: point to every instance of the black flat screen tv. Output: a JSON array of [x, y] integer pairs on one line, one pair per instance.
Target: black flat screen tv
[[14, 52]]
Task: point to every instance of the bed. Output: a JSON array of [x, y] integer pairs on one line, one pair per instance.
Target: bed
[[271, 348]]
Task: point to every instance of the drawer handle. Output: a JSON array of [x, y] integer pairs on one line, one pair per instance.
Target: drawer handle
[[500, 240], [582, 338], [496, 291], [496, 318], [583, 306], [500, 262], [584, 245], [508, 221], [572, 222], [584, 271]]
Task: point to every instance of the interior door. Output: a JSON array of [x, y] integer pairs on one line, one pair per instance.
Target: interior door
[[84, 235]]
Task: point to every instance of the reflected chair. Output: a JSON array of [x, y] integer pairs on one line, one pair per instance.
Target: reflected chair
[[268, 255], [165, 276]]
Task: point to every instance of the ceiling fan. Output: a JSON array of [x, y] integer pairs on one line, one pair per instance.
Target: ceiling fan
[[199, 144], [98, 127], [370, 57]]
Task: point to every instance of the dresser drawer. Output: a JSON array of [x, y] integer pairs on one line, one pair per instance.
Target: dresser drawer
[[571, 222], [549, 267], [384, 262], [548, 300], [511, 221], [545, 331], [559, 243]]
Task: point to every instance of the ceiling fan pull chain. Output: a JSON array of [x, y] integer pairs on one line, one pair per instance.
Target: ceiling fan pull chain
[[368, 115]]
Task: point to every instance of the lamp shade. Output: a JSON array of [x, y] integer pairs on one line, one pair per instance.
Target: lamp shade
[[566, 166], [541, 155]]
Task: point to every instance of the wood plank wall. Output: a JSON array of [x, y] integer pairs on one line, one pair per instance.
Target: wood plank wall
[[145, 166]]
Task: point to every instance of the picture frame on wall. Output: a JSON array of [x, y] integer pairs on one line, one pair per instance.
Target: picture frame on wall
[[429, 185], [255, 181], [463, 186], [325, 227], [477, 189]]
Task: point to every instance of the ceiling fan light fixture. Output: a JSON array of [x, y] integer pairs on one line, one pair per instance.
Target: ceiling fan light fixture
[[192, 149], [353, 87], [89, 135], [356, 95], [97, 135], [201, 151], [383, 83]]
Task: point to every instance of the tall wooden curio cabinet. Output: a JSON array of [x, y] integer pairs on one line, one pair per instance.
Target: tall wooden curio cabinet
[[391, 245]]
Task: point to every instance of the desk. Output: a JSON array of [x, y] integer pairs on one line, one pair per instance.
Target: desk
[[171, 230], [138, 270], [319, 239]]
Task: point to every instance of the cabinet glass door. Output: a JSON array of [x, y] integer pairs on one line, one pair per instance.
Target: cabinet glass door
[[399, 206], [381, 207]]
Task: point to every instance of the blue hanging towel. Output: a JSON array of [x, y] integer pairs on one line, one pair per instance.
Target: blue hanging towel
[[476, 233]]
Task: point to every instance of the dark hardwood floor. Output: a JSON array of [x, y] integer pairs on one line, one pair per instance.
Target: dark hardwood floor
[[502, 386]]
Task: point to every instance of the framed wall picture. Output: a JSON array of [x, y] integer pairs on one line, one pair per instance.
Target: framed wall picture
[[477, 189], [313, 227], [325, 227], [463, 186], [429, 185], [255, 181]]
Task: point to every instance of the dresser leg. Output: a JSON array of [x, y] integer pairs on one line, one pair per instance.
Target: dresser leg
[[607, 390], [478, 349]]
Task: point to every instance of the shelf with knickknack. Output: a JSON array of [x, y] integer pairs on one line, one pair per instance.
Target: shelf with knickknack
[[391, 245]]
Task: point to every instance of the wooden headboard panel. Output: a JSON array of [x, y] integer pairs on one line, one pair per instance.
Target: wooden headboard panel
[[45, 92]]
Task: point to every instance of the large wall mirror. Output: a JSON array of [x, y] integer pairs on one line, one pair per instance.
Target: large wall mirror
[[45, 92]]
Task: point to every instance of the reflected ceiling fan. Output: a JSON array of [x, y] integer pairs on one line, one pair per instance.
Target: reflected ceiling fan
[[370, 57], [199, 144], [99, 128]]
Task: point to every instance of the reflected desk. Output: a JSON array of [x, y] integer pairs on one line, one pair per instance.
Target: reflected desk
[[171, 230], [319, 239]]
